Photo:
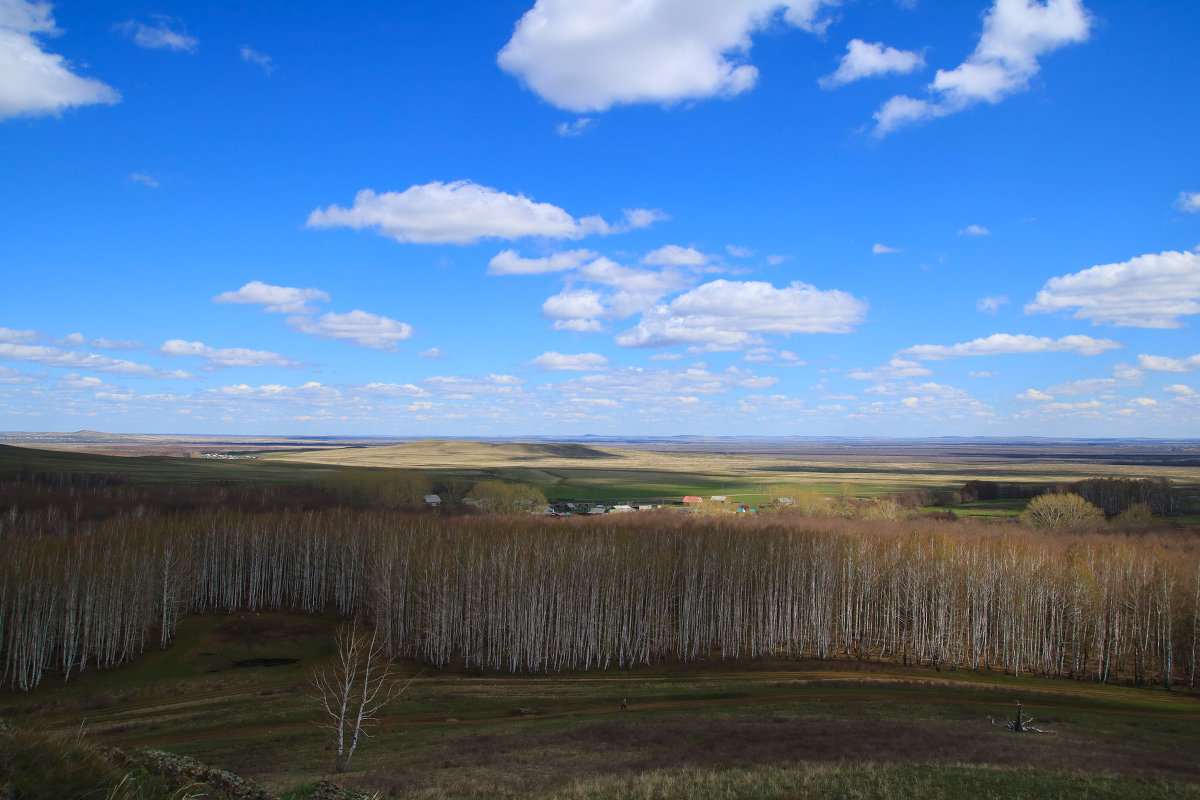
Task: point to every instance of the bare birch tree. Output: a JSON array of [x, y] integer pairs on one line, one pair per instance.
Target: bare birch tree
[[352, 687]]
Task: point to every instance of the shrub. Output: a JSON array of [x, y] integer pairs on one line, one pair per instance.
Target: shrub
[[1059, 511]]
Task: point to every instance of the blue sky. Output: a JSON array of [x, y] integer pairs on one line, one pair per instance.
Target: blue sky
[[718, 217]]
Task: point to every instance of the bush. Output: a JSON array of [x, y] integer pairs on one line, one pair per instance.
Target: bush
[[498, 497], [1059, 511]]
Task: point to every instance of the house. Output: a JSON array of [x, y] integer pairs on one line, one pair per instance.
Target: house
[[692, 499]]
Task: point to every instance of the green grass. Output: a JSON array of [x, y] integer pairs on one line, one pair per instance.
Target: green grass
[[708, 729]]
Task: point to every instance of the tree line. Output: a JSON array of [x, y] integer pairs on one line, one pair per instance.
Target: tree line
[[522, 593]]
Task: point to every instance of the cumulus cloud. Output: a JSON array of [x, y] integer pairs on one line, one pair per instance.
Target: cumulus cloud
[[252, 56], [883, 249], [509, 262], [92, 362], [867, 60], [589, 55], [974, 230], [460, 388], [161, 35], [219, 358], [577, 127], [1016, 33], [33, 81], [1166, 364], [1034, 395], [433, 353], [359, 328], [731, 314], [551, 361], [1188, 201], [1181, 390], [675, 256], [275, 299], [991, 305], [463, 212], [1008, 343], [1149, 291]]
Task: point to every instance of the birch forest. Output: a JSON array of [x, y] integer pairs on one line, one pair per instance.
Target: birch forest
[[529, 594]]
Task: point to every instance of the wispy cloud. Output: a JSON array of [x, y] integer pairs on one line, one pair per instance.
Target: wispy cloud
[[162, 34], [224, 357], [883, 249], [252, 56], [576, 127], [1009, 344]]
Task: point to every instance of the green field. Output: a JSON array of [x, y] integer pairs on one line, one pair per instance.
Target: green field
[[233, 691]]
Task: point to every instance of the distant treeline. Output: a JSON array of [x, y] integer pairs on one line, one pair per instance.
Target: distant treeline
[[523, 593]]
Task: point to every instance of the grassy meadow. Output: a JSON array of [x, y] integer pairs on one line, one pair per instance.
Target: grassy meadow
[[233, 691]]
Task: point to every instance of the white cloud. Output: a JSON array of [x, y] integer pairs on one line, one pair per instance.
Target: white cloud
[[577, 127], [1166, 364], [275, 299], [219, 358], [433, 353], [675, 256], [867, 60], [882, 249], [1180, 389], [509, 262], [33, 81], [463, 212], [896, 369], [252, 56], [92, 362], [991, 305], [159, 36], [738, 252], [937, 399], [650, 386], [577, 325], [458, 388], [551, 361], [12, 377], [589, 55], [730, 315], [974, 230], [1034, 395], [1123, 375], [1145, 402], [1149, 291], [1015, 34], [574, 304], [1188, 201], [359, 328], [1008, 343], [79, 340], [13, 336], [144, 179]]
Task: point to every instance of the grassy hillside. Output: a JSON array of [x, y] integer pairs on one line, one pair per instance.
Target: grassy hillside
[[233, 692]]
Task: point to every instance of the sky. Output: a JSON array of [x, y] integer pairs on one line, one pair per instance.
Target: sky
[[615, 217]]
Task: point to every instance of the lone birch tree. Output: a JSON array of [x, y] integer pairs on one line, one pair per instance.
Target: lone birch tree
[[352, 687]]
